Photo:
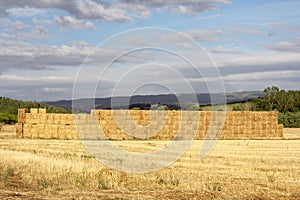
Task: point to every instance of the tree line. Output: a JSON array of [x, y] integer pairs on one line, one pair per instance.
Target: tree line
[[279, 100], [9, 109], [287, 103]]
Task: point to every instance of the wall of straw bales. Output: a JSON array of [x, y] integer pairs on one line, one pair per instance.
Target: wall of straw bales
[[139, 124]]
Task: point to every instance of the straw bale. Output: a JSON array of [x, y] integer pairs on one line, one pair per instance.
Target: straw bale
[[19, 130], [53, 130], [41, 130], [42, 110], [21, 115], [34, 110], [74, 136], [27, 131], [272, 132], [68, 134], [236, 124], [43, 116], [69, 117], [279, 130], [34, 131], [47, 134]]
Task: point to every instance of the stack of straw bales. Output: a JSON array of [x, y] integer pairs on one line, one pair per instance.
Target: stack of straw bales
[[163, 125]]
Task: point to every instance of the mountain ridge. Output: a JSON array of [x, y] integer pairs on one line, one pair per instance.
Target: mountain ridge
[[182, 100]]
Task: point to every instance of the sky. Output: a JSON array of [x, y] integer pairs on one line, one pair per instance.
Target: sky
[[63, 49]]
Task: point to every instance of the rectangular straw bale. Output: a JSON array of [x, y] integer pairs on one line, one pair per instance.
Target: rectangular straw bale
[[94, 112], [75, 136], [67, 134], [202, 114], [34, 132], [19, 130], [54, 131], [199, 135], [50, 118], [265, 133], [34, 110], [257, 133], [255, 118], [79, 118], [62, 131], [21, 115], [31, 119], [247, 125], [47, 133], [42, 119], [265, 115], [243, 117], [247, 116], [69, 117], [272, 133], [279, 130], [274, 116], [28, 116], [27, 130], [56, 118], [42, 110], [41, 131]]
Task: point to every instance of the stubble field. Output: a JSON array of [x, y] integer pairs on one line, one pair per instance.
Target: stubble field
[[235, 169]]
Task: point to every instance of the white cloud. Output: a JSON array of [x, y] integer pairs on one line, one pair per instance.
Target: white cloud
[[196, 34], [23, 55], [184, 45], [70, 22], [247, 31], [97, 10], [7, 35], [191, 7], [226, 50], [18, 25], [13, 77], [86, 9], [205, 35], [55, 90], [259, 58], [138, 10], [283, 26], [268, 75], [285, 46], [26, 12], [118, 11], [39, 32], [21, 31]]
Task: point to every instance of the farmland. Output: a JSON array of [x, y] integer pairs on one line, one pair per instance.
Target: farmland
[[235, 169]]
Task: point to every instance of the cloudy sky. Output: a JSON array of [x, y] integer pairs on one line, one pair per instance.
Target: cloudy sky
[[103, 48]]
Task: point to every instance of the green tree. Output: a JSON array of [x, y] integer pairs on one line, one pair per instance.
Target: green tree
[[270, 97], [194, 108]]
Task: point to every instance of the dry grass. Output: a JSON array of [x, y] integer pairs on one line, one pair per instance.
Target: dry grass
[[7, 131], [235, 169], [291, 133]]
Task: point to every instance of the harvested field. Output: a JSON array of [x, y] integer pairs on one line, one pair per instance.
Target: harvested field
[[291, 133], [235, 169]]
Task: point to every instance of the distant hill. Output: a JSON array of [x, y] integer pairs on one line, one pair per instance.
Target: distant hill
[[86, 104]]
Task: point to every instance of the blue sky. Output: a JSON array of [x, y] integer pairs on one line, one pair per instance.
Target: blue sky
[[43, 46]]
